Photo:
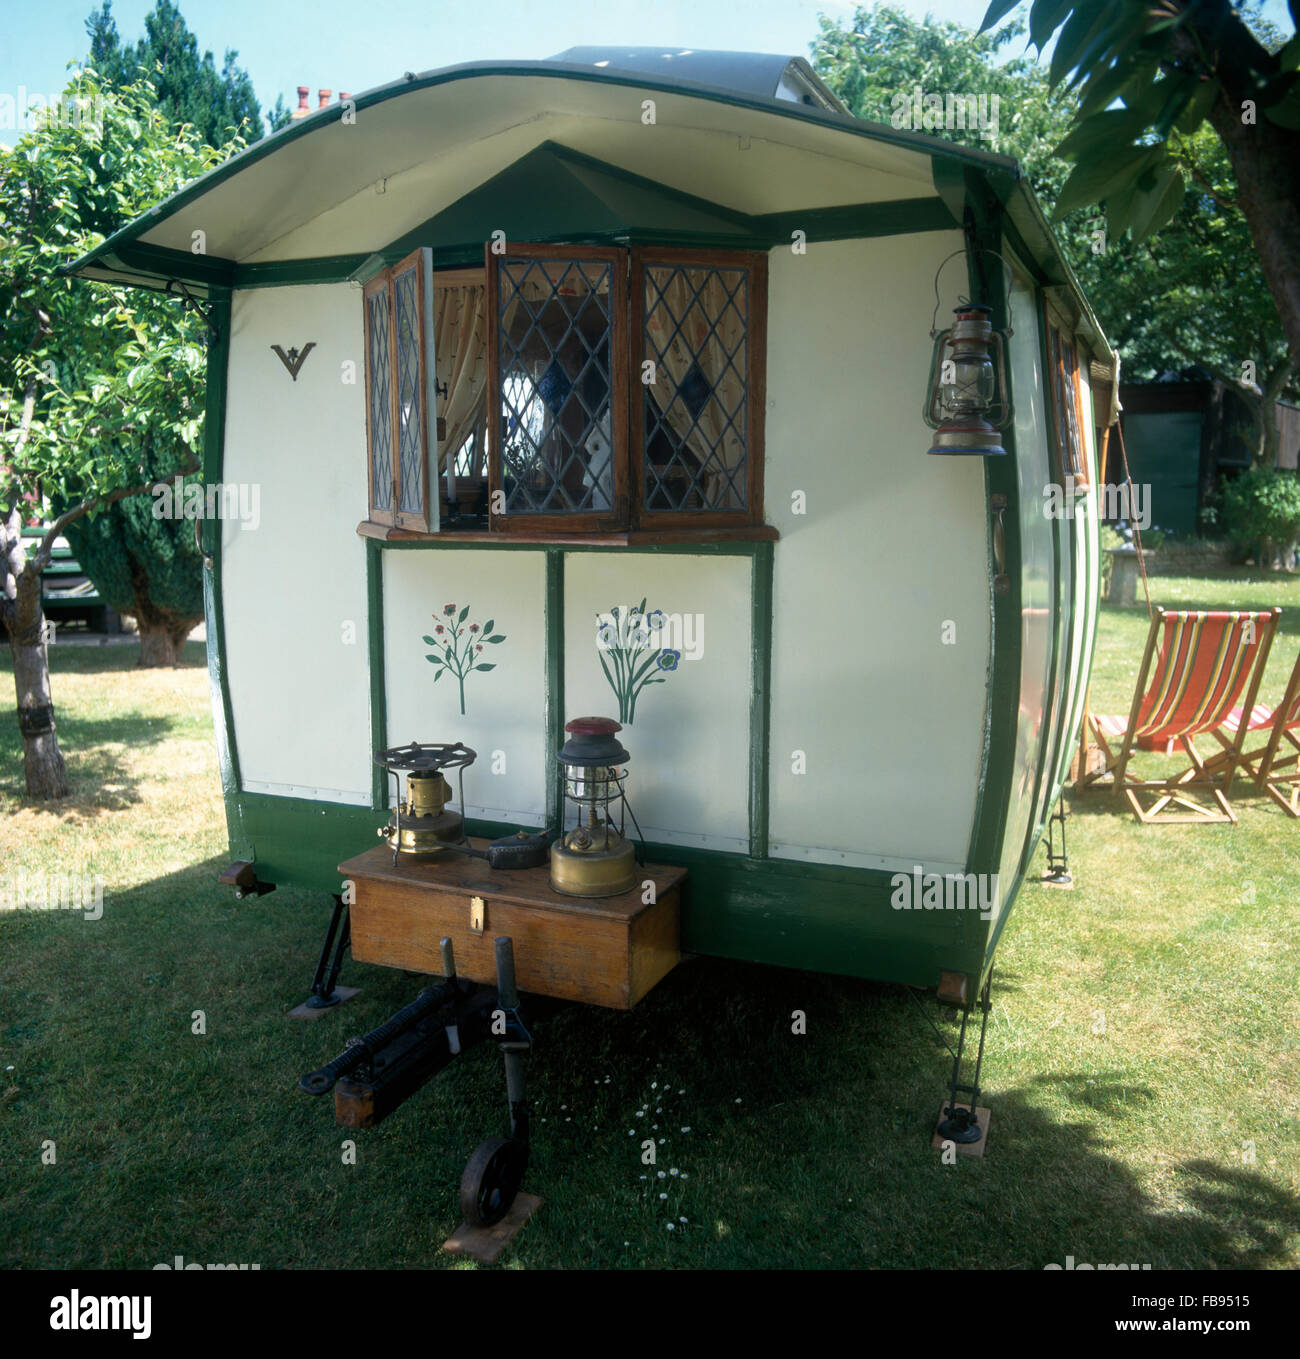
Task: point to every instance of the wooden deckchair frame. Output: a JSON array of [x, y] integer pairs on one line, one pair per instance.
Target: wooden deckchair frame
[[1214, 776], [1274, 768]]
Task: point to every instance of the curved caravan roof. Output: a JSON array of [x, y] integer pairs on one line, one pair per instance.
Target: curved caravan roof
[[300, 206]]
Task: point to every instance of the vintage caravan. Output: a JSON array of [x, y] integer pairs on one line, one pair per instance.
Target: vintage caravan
[[613, 384]]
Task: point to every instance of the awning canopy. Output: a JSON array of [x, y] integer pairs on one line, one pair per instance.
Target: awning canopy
[[329, 193]]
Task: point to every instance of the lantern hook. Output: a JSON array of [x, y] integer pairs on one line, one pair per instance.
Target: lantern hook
[[965, 301]]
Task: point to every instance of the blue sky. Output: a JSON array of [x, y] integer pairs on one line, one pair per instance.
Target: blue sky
[[346, 45]]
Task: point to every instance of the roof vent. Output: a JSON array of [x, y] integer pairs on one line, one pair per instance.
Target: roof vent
[[756, 74]]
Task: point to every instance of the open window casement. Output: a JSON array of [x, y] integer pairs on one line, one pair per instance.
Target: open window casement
[[401, 396]]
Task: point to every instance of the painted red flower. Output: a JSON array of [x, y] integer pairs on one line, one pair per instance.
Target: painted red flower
[[440, 629], [479, 647], [449, 608], [473, 627]]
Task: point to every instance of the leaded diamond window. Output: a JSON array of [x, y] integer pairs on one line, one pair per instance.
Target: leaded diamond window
[[695, 410], [397, 317], [410, 404], [380, 402], [558, 324]]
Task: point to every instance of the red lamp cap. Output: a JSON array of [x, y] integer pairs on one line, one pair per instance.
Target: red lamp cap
[[593, 726]]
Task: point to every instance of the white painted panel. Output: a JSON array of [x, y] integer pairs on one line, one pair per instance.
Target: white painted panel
[[294, 596], [503, 719], [893, 545], [688, 779]]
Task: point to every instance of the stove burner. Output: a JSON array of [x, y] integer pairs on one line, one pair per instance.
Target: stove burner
[[426, 759]]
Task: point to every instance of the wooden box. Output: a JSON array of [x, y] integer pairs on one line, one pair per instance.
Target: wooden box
[[607, 952]]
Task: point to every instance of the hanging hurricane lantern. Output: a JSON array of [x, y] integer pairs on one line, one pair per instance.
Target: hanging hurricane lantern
[[593, 859], [967, 402]]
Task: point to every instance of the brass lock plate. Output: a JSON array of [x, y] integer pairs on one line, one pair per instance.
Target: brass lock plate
[[477, 915]]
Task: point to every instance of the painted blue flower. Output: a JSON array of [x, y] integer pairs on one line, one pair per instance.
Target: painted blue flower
[[607, 636], [668, 660], [655, 619]]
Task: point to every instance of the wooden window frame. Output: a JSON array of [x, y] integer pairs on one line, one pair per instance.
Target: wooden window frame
[[755, 264], [599, 521], [1059, 337], [425, 519]]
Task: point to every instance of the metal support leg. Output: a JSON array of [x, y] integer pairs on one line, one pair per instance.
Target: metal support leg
[[494, 1172], [1058, 865], [958, 1124], [516, 1045], [323, 995]]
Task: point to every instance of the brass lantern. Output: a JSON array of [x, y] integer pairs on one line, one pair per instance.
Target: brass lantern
[[967, 401], [593, 859]]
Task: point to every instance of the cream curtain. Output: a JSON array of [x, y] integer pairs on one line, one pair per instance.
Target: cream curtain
[[460, 350], [696, 298]]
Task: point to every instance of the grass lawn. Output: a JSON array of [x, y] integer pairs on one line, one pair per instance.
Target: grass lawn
[[1143, 1065]]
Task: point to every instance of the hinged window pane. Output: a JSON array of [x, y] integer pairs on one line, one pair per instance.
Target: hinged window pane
[[379, 398], [410, 392]]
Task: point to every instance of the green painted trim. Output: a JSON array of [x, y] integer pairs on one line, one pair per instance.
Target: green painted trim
[[165, 263], [1001, 476], [449, 541], [214, 440], [288, 273], [378, 681], [760, 701], [554, 702], [897, 217]]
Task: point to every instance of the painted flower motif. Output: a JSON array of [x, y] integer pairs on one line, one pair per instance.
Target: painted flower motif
[[630, 652], [457, 654]]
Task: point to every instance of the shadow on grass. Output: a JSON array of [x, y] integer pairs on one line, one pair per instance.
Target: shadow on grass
[[98, 779], [803, 1151], [98, 660]]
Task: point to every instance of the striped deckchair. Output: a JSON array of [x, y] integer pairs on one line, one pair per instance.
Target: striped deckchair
[[1188, 687], [1275, 766]]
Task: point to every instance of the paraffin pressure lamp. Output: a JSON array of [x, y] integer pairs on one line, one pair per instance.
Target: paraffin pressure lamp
[[593, 859], [967, 403]]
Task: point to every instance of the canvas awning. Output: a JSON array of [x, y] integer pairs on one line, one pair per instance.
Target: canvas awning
[[324, 196]]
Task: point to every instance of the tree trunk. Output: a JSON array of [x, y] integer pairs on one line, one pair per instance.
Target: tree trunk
[[1266, 161], [1270, 436], [161, 642], [162, 631], [47, 777]]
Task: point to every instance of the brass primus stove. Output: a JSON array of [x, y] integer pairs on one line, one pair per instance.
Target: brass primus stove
[[420, 823]]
